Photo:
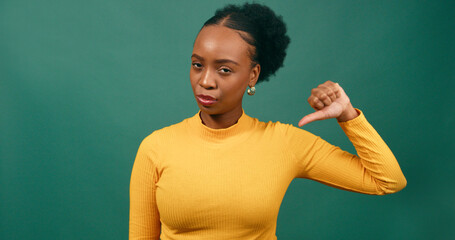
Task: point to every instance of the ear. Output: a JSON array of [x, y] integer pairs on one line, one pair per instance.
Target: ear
[[254, 75]]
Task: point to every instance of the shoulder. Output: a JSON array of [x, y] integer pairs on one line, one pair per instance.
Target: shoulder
[[284, 130], [160, 136], [285, 137]]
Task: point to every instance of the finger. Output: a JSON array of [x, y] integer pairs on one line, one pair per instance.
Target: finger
[[337, 90], [326, 95], [315, 103], [332, 90], [332, 95], [318, 93], [335, 87], [318, 115], [323, 97], [329, 82]]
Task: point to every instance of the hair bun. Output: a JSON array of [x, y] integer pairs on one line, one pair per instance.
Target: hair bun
[[267, 30]]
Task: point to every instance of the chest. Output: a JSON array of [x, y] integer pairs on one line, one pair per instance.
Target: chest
[[200, 187]]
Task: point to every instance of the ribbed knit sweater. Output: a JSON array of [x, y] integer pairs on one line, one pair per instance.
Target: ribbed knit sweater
[[190, 181]]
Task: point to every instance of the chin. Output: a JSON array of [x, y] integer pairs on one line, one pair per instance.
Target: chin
[[210, 110]]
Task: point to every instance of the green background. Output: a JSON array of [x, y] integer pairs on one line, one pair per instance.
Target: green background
[[83, 82]]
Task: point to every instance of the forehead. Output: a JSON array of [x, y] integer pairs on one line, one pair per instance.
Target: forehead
[[220, 42]]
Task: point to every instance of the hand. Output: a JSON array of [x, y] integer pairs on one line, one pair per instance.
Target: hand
[[330, 101]]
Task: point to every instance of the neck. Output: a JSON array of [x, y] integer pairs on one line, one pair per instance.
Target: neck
[[223, 120]]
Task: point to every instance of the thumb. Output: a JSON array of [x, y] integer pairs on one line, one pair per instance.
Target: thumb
[[318, 115]]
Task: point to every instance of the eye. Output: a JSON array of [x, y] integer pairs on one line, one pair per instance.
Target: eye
[[197, 65], [225, 70]]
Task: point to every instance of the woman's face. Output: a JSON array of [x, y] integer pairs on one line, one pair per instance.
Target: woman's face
[[221, 70]]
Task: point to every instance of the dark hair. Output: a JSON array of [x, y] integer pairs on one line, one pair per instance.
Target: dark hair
[[266, 32]]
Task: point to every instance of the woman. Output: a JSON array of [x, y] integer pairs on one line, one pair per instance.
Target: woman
[[222, 174]]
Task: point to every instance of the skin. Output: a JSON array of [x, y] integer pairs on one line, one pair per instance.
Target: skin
[[221, 67], [330, 101]]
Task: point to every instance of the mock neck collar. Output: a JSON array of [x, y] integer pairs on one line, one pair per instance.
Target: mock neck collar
[[235, 132]]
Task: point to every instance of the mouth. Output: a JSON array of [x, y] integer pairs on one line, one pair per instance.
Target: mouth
[[205, 99]]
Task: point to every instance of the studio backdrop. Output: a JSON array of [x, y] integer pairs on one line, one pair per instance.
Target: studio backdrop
[[83, 82]]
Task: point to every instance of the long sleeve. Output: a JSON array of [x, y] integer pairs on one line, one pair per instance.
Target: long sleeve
[[144, 222], [374, 171]]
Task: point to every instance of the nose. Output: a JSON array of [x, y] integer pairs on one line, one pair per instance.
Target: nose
[[207, 80]]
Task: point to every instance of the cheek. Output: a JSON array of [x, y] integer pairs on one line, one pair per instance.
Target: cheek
[[236, 91], [193, 79]]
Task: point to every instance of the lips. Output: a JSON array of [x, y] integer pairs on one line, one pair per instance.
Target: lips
[[205, 99]]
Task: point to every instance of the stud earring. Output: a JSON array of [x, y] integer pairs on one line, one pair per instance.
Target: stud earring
[[251, 91]]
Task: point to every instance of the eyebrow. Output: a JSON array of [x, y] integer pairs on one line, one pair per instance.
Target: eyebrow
[[217, 60]]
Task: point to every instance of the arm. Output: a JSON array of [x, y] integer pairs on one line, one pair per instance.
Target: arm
[[375, 169], [144, 222]]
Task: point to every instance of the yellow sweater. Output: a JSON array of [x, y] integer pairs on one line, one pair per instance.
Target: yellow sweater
[[193, 182]]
